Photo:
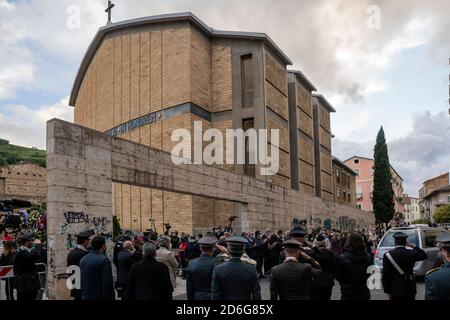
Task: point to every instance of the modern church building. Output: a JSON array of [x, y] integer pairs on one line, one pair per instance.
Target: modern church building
[[141, 79]]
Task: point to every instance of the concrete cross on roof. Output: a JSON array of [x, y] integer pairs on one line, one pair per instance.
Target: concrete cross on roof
[[109, 9]]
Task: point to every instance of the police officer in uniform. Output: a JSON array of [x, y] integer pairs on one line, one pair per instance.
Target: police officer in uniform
[[437, 281], [398, 269], [75, 255], [311, 253], [199, 271], [291, 280], [27, 277], [234, 279]]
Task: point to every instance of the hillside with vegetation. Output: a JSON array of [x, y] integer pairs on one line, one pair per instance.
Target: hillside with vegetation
[[12, 154]]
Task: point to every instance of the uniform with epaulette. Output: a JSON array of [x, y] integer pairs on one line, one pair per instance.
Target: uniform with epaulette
[[313, 253], [200, 270], [75, 255], [291, 280], [437, 281], [25, 272], [398, 269], [234, 279]]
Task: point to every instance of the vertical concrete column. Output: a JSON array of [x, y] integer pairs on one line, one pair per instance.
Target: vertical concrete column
[[79, 194]]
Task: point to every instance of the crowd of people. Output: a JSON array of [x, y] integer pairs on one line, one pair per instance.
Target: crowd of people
[[299, 266]]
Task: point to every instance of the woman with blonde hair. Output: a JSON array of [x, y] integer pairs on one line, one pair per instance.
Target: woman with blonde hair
[[165, 255]]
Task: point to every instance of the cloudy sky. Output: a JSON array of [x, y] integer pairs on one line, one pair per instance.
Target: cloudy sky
[[378, 62]]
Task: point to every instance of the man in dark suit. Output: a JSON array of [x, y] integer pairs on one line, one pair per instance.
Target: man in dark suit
[[291, 280], [124, 263], [398, 269], [234, 279], [25, 272], [149, 279], [96, 273], [437, 281], [199, 271], [75, 255]]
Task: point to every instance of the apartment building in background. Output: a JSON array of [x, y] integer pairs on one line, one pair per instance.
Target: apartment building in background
[[344, 183], [411, 209], [364, 183], [435, 192]]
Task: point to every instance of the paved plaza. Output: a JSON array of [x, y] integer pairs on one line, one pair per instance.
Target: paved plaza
[[180, 291]]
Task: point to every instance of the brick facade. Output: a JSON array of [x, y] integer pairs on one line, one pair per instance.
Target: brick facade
[[177, 72], [25, 181], [322, 147]]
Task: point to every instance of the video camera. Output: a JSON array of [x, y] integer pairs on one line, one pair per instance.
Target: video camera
[[218, 232], [10, 205], [7, 207]]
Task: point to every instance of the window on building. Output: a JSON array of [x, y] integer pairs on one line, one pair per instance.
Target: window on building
[[249, 169], [357, 171], [356, 161], [448, 199], [338, 176], [338, 193], [344, 195], [358, 206], [247, 81], [349, 197]]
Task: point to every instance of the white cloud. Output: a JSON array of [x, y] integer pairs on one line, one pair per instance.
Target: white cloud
[[328, 39], [24, 126], [424, 152]]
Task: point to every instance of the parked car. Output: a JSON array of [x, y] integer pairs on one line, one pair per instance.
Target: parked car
[[422, 236]]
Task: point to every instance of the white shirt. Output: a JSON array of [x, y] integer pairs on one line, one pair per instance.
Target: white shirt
[[290, 259], [25, 248], [79, 246]]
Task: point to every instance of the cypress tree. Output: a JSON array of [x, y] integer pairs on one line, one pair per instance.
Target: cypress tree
[[383, 194]]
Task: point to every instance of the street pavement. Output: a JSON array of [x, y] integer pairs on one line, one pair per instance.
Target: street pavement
[[180, 291]]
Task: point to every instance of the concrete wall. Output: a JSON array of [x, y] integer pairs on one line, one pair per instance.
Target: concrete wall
[[83, 163]]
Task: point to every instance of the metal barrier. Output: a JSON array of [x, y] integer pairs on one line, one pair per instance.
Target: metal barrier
[[7, 273]]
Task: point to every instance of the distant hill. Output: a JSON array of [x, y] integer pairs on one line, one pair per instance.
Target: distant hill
[[12, 154]]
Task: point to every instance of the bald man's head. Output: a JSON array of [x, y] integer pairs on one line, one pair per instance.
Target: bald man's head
[[128, 245]]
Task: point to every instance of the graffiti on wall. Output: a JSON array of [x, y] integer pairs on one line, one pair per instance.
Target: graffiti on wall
[[347, 224], [100, 226], [76, 217], [299, 223]]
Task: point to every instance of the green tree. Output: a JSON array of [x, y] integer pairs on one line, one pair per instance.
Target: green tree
[[442, 214], [421, 221], [383, 194]]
